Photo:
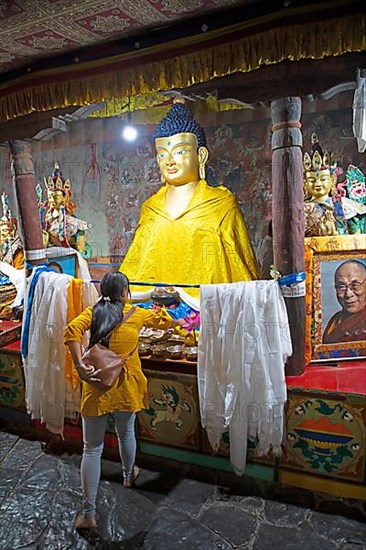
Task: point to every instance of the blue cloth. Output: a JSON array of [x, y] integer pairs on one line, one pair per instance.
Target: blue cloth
[[28, 310], [182, 309], [4, 280], [292, 278]]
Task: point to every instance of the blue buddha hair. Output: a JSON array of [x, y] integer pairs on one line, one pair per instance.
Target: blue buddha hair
[[178, 120]]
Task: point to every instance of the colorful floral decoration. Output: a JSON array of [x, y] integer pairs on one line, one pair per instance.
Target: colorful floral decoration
[[355, 192]]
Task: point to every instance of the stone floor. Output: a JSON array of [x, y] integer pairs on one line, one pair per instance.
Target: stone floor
[[170, 508]]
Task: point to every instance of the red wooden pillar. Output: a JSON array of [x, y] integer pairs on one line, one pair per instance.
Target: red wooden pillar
[[25, 188], [288, 213]]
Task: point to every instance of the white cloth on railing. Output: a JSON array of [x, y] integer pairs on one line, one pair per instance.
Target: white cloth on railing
[[17, 278], [48, 396], [359, 113], [243, 345]]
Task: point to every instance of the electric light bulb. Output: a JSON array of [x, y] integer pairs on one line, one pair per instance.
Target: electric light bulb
[[129, 133]]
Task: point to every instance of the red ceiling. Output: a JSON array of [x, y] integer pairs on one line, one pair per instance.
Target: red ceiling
[[35, 29]]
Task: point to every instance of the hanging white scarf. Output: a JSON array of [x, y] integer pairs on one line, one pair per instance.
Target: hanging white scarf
[[49, 397], [244, 343]]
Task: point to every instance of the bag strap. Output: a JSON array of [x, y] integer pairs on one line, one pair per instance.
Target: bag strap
[[132, 310], [127, 316], [129, 354]]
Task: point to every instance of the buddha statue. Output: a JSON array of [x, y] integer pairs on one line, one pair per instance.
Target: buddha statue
[[188, 232], [59, 226], [322, 208]]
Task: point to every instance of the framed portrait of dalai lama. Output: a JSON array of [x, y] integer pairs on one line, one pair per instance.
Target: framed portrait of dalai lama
[[336, 297]]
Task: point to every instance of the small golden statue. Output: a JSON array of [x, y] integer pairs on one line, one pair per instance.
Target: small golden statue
[[60, 227], [323, 211], [11, 250], [11, 263]]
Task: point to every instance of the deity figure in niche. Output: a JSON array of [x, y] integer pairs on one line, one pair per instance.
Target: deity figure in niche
[[353, 196], [11, 245], [323, 209], [188, 232], [60, 227], [12, 278]]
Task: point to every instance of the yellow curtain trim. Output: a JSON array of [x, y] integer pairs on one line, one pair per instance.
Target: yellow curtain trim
[[199, 40], [314, 40]]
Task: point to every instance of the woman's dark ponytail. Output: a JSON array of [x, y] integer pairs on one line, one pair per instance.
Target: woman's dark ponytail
[[108, 311]]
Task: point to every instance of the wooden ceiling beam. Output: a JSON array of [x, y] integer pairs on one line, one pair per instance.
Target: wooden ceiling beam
[[301, 78], [26, 127]]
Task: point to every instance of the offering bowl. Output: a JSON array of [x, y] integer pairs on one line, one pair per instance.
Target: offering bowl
[[158, 350], [144, 349], [191, 353], [175, 352]]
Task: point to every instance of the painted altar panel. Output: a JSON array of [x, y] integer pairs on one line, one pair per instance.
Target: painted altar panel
[[12, 389], [173, 416], [326, 435]]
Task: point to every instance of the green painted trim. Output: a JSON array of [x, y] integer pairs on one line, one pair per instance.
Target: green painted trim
[[217, 463]]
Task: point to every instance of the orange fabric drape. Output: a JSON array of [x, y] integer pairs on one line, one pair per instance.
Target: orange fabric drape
[[74, 308], [308, 302]]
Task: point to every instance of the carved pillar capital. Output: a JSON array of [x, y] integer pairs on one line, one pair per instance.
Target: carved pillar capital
[[25, 188], [286, 113], [22, 158]]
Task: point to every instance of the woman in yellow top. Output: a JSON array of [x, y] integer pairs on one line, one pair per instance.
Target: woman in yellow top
[[124, 399]]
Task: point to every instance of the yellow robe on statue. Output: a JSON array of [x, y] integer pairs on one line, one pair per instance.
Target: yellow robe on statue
[[207, 243]]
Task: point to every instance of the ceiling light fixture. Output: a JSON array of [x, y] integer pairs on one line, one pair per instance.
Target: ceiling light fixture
[[129, 132]]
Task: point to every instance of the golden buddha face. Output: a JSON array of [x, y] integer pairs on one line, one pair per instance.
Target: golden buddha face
[[318, 184], [179, 158], [56, 199]]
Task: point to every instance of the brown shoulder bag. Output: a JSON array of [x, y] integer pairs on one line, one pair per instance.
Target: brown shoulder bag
[[107, 361]]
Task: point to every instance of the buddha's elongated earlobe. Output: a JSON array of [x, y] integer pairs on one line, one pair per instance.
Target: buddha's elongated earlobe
[[162, 178], [202, 159]]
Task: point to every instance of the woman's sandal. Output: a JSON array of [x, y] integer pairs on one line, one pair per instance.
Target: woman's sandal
[[130, 481], [84, 522]]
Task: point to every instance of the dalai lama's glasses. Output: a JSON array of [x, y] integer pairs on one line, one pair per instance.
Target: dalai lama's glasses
[[355, 286]]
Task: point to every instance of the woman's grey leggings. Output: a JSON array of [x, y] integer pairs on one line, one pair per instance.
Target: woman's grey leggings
[[93, 437]]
